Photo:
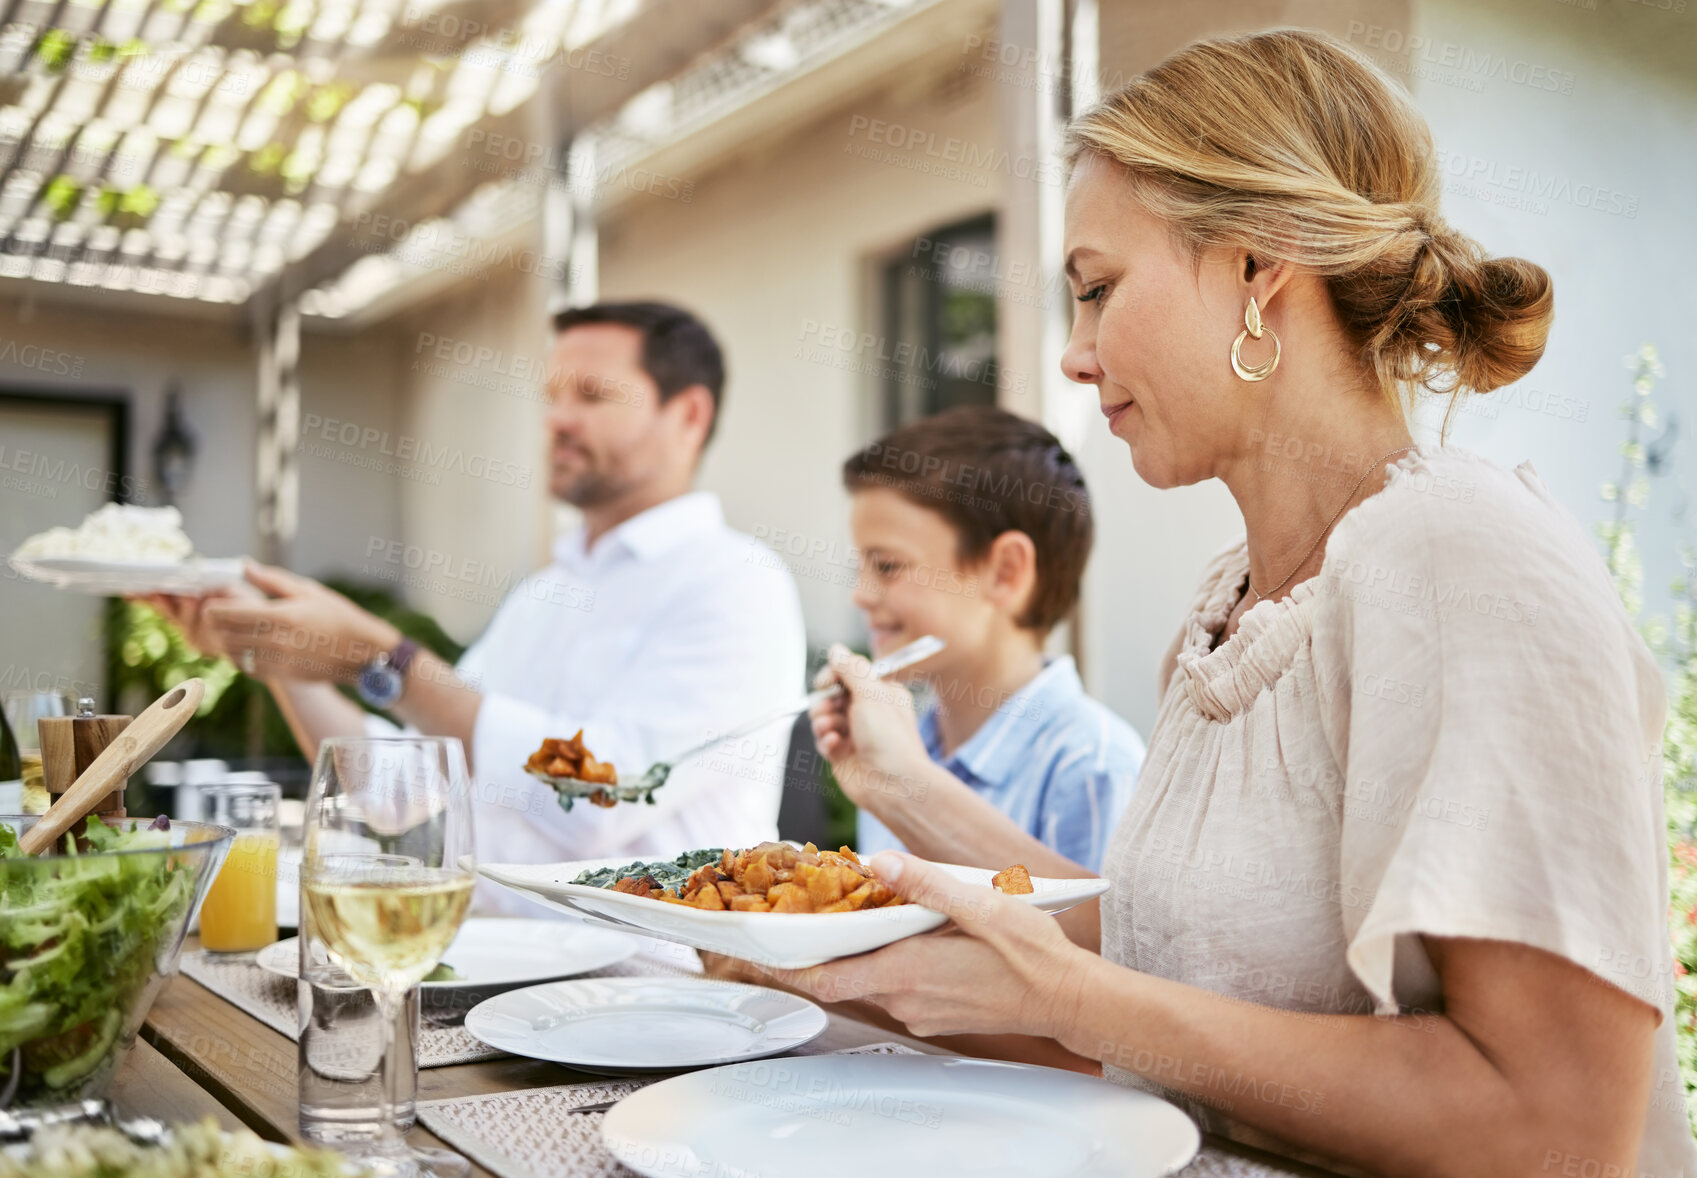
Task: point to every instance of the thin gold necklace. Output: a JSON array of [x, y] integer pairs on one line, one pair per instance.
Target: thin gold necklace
[[1323, 531]]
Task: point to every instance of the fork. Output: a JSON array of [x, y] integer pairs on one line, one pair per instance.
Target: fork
[[643, 787]]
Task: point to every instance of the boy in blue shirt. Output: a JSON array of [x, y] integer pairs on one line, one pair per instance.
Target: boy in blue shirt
[[974, 525]]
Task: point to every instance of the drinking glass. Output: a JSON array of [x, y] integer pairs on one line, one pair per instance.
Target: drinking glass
[[386, 879], [23, 709], [239, 914]]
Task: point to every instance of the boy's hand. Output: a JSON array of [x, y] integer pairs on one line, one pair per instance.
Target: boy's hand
[[869, 733]]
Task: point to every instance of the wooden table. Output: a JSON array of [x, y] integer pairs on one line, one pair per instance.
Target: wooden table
[[201, 1056]]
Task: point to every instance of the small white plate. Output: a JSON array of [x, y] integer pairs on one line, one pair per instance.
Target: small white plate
[[115, 578], [781, 939], [897, 1114], [645, 1024], [493, 951]]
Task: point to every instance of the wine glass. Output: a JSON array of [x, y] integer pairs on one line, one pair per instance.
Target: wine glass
[[386, 879], [23, 710]]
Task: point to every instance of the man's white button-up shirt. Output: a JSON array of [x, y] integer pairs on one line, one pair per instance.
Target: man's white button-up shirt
[[673, 626]]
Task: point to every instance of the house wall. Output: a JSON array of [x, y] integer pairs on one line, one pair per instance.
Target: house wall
[[777, 250], [1565, 134], [473, 515]]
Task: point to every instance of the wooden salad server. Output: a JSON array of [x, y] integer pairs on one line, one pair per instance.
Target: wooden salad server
[[132, 748]]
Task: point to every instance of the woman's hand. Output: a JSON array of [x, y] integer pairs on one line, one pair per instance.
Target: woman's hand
[[869, 733], [1001, 967]]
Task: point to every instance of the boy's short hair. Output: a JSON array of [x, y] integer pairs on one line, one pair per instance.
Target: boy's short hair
[[987, 471]]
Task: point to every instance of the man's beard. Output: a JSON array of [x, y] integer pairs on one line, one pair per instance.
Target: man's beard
[[589, 488]]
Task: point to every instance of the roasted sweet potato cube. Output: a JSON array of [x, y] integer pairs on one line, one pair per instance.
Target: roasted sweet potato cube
[[759, 876], [708, 874], [600, 772], [637, 885], [848, 854], [746, 903], [709, 899], [728, 863], [728, 890], [834, 859], [1015, 881], [790, 897], [861, 897], [823, 886]]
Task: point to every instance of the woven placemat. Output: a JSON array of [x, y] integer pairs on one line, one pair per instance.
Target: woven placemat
[[271, 998], [1216, 1163], [540, 1137]]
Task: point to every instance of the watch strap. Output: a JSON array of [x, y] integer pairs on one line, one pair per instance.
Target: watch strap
[[401, 657]]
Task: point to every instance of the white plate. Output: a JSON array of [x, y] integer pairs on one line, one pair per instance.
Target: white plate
[[491, 951], [645, 1024], [781, 939], [871, 1115], [112, 578]]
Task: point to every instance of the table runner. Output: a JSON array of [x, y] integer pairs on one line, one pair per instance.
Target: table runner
[[540, 1138], [271, 998]]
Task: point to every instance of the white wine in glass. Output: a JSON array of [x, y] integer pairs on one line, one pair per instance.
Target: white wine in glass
[[386, 879], [388, 926], [24, 711]]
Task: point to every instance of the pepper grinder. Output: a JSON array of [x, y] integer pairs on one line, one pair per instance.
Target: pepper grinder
[[69, 745]]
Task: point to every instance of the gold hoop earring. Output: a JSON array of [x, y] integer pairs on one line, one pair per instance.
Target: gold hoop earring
[[1253, 328]]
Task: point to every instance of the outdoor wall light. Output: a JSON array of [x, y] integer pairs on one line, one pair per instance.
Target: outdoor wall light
[[173, 450]]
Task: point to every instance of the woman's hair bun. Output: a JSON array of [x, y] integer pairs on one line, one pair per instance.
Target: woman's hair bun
[[1465, 320]]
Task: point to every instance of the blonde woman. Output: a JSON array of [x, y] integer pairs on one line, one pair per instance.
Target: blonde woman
[[1391, 888]]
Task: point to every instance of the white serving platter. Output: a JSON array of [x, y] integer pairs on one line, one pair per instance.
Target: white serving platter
[[779, 939]]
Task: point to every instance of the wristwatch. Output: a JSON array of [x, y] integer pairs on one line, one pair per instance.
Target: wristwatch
[[382, 680]]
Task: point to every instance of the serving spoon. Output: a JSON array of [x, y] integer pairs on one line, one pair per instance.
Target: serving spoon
[[131, 749], [642, 788]]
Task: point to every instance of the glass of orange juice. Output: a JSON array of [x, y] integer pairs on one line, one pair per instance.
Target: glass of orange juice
[[239, 914]]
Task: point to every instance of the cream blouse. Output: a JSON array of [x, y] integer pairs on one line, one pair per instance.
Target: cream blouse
[[1452, 730]]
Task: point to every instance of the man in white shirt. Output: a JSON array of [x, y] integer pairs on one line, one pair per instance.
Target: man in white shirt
[[655, 626]]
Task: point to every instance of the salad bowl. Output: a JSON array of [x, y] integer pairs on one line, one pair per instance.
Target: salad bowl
[[88, 938]]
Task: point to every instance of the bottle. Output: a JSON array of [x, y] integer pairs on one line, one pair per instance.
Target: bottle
[[11, 770]]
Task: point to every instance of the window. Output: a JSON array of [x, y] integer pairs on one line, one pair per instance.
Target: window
[[940, 322]]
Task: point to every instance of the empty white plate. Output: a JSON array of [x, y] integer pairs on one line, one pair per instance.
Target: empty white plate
[[645, 1024], [874, 1115], [494, 951]]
